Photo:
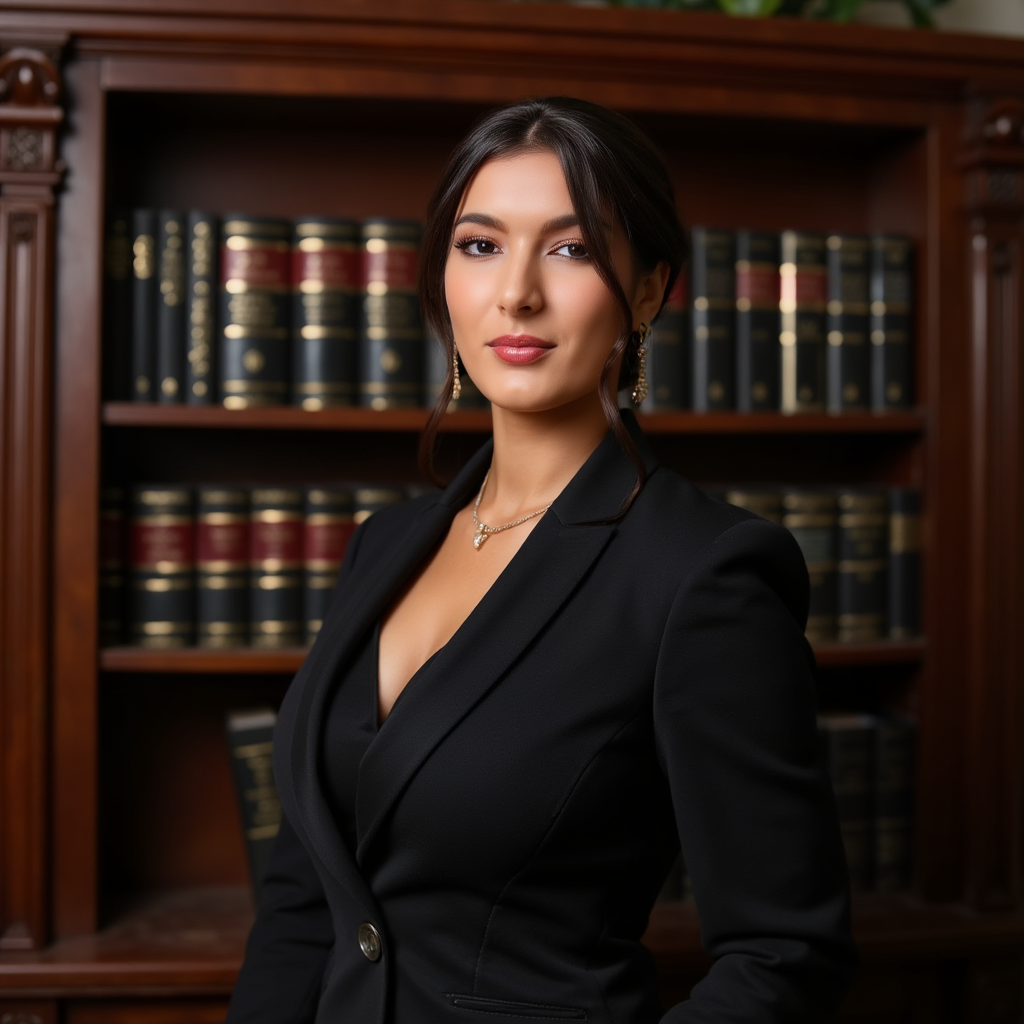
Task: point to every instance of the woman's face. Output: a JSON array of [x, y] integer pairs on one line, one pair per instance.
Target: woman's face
[[533, 321]]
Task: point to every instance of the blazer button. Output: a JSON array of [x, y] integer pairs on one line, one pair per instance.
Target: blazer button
[[369, 942]]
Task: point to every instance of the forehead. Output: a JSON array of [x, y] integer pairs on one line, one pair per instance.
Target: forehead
[[522, 187]]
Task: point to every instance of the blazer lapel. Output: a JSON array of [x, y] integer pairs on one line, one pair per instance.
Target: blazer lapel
[[542, 576]]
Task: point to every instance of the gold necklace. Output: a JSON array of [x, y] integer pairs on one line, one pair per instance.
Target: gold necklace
[[483, 531]]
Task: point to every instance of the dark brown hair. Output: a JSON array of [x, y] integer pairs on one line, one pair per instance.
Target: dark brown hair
[[611, 169]]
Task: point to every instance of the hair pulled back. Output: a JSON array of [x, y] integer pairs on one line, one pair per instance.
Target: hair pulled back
[[612, 170]]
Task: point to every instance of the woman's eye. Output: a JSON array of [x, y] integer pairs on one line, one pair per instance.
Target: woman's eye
[[477, 246], [572, 250]]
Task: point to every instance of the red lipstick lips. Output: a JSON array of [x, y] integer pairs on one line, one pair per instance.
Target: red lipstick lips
[[519, 348]]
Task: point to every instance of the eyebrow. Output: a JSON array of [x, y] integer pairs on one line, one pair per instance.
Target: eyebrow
[[569, 220]]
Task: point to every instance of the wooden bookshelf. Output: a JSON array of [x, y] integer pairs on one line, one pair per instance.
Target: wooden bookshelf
[[273, 107]]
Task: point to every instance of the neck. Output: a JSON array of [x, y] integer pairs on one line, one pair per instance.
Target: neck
[[537, 453]]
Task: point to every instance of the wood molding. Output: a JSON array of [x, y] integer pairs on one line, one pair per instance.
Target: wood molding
[[29, 118], [993, 166]]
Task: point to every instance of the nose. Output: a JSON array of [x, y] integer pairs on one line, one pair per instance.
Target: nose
[[520, 291]]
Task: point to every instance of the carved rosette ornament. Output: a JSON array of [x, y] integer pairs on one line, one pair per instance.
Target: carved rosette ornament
[[993, 165], [30, 116]]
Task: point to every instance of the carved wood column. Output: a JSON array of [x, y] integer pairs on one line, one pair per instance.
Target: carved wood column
[[29, 173], [993, 164]]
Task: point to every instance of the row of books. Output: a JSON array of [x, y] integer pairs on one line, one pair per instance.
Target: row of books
[[225, 566], [871, 761], [862, 546], [323, 311], [794, 321], [255, 311]]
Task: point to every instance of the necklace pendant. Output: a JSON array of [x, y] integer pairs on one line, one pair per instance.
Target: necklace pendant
[[481, 536]]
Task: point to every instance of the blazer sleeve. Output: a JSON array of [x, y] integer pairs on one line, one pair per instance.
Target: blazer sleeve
[[291, 940], [734, 715]]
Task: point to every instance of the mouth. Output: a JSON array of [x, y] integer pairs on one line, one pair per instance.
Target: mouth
[[520, 348]]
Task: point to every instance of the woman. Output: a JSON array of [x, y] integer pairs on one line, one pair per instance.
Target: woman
[[532, 688]]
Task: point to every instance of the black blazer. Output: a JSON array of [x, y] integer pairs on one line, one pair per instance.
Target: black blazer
[[518, 810]]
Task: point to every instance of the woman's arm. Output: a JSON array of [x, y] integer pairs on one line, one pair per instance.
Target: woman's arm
[[735, 723]]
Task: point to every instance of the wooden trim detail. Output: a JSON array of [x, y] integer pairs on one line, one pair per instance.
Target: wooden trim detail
[[29, 118], [993, 164]]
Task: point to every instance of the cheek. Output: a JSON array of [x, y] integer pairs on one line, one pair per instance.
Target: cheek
[[467, 294]]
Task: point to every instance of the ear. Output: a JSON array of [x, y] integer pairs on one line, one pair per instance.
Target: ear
[[650, 290]]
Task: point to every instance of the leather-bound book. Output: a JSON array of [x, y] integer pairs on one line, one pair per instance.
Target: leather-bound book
[[255, 311], [763, 502], [862, 543], [894, 783], [325, 312], [848, 749], [222, 566], [668, 354], [757, 321], [435, 361], [848, 304], [811, 517], [201, 307], [904, 563], [171, 307], [330, 522], [161, 596], [367, 500], [713, 281], [145, 297], [276, 565], [803, 300], [892, 322], [390, 334], [251, 744], [112, 566], [117, 307]]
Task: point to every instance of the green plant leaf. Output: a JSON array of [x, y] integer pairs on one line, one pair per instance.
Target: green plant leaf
[[749, 8]]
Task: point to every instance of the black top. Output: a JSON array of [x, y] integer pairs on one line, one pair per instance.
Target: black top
[[353, 721]]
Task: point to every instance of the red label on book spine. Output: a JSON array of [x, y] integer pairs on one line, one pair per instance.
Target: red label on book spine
[[279, 542], [222, 542], [758, 284], [326, 542], [165, 547], [394, 267], [257, 267], [333, 268]]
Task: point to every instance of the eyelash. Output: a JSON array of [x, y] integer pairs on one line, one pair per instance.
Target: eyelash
[[463, 245]]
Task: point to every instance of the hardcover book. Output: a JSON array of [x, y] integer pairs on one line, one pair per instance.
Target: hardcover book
[[713, 276], [201, 307], [170, 319], [811, 517], [904, 563], [757, 321], [891, 322], [329, 524], [803, 301], [668, 354], [766, 503], [145, 295], [861, 587], [847, 367], [117, 306], [222, 566], [275, 560]]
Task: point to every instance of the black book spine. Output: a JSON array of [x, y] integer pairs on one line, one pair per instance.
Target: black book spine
[[145, 295], [112, 566], [811, 517], [170, 317], [892, 311], [713, 277], [201, 312], [847, 367], [162, 567], [325, 309], [276, 566], [764, 503], [757, 321], [904, 563], [895, 761], [390, 335], [253, 356], [848, 743], [435, 362], [117, 307], [861, 586], [330, 522], [802, 302], [668, 355], [222, 566], [251, 743]]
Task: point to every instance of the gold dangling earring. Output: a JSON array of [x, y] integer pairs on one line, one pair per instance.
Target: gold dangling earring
[[640, 388], [456, 381]]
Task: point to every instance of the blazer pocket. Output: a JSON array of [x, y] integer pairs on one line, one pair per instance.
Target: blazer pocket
[[505, 1008]]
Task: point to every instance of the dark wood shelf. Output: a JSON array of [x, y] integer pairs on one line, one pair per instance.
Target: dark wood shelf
[[286, 417], [241, 660]]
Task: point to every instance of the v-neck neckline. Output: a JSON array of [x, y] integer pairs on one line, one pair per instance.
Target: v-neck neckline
[[412, 679]]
